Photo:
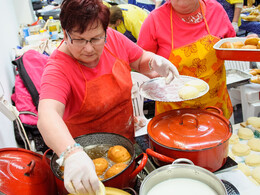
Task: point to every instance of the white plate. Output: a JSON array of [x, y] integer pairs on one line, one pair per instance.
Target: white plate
[[157, 90]]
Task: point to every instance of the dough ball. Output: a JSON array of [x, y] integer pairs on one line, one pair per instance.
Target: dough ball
[[101, 165], [198, 84], [245, 133], [188, 92], [118, 154], [254, 121], [231, 155], [115, 169], [253, 160], [234, 139], [240, 149], [256, 174], [254, 181], [244, 168], [254, 144]]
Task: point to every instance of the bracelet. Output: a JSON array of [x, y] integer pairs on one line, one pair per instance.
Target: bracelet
[[68, 150], [150, 64]]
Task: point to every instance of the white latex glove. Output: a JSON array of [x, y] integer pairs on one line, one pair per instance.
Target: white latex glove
[[79, 174], [235, 26], [139, 122], [164, 68]]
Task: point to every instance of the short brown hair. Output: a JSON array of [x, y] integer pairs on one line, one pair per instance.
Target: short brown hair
[[115, 14], [81, 14]]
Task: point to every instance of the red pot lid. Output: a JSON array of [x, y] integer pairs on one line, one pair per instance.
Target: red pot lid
[[189, 129], [20, 167]]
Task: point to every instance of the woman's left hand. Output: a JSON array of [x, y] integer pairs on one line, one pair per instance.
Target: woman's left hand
[[164, 68]]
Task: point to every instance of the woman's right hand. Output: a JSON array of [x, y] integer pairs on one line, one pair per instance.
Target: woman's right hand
[[79, 174]]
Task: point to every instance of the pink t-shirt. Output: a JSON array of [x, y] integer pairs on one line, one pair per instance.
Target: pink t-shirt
[[63, 81], [155, 34]]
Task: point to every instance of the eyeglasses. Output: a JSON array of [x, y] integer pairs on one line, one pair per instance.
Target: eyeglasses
[[83, 42]]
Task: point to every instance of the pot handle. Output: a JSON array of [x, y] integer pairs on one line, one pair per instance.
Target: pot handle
[[29, 168], [161, 157], [142, 164], [182, 160], [45, 159], [130, 190], [189, 115], [216, 109]]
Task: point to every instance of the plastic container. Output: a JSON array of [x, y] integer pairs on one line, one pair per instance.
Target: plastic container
[[44, 35], [41, 22], [252, 55], [53, 28]]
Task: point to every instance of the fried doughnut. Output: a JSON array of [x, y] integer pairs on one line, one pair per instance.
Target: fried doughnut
[[115, 169], [227, 45], [252, 41], [255, 79], [118, 154], [249, 47], [245, 133], [238, 44], [101, 165]]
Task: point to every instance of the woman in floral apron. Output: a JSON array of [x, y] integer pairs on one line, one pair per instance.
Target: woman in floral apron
[[186, 38]]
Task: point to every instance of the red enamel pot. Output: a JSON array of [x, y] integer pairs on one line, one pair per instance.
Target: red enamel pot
[[126, 178], [200, 135], [25, 172]]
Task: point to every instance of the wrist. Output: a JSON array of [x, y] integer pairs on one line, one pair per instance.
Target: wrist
[[69, 150], [150, 64]]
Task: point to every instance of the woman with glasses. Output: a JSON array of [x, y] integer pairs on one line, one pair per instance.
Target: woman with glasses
[[86, 87]]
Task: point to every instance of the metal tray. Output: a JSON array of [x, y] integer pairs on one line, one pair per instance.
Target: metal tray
[[236, 78], [157, 90], [252, 55]]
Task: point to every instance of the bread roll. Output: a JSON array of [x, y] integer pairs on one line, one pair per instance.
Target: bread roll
[[227, 45], [252, 41], [249, 47]]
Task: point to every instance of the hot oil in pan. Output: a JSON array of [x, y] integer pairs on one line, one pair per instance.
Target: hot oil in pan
[[100, 151], [97, 151]]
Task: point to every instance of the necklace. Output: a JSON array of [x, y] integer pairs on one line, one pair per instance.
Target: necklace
[[194, 17]]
